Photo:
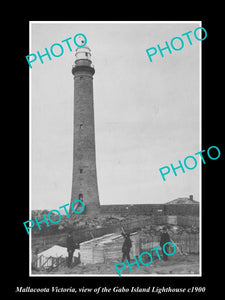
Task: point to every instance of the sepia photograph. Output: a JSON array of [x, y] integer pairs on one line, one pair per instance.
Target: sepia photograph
[[115, 148]]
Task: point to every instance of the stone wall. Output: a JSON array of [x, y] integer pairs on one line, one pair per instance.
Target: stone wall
[[152, 209]]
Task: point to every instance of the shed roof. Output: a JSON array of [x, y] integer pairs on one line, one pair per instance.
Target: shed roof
[[57, 251]]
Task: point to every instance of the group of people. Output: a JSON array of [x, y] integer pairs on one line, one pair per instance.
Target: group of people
[[127, 244]]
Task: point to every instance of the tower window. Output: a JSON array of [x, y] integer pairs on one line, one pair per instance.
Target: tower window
[[81, 171], [86, 54], [81, 197], [81, 126]]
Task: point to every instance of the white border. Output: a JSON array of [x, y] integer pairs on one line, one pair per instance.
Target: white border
[[200, 137]]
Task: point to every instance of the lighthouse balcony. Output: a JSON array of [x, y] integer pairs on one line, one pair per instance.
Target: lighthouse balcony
[[89, 68]]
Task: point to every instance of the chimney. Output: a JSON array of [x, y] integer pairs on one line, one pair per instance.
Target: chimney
[[191, 197]]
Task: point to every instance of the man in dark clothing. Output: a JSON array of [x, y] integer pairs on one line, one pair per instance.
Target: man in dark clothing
[[127, 244], [70, 248], [165, 238]]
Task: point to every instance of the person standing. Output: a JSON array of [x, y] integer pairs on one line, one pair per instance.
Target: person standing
[[70, 248], [127, 244], [165, 238]]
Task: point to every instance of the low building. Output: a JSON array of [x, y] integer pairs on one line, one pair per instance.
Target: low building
[[180, 206], [107, 248]]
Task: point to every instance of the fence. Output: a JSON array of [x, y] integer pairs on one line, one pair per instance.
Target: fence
[[188, 221], [152, 209], [187, 242], [184, 221], [48, 263]]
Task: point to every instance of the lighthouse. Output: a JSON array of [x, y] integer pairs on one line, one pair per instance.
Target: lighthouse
[[84, 177]]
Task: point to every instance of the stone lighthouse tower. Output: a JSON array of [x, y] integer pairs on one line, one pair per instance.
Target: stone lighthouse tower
[[84, 182]]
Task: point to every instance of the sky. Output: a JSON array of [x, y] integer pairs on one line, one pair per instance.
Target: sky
[[147, 114]]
